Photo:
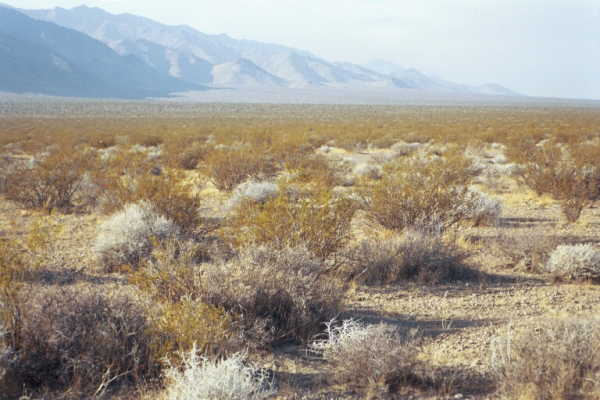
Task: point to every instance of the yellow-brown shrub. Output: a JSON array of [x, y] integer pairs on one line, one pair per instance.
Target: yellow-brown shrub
[[168, 193], [317, 220], [414, 192], [179, 326], [52, 183], [571, 176], [229, 167]]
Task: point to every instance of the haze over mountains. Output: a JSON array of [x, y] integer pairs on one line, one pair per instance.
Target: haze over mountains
[[90, 52]]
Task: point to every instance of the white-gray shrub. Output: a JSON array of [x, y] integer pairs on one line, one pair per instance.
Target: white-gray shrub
[[232, 378], [257, 192], [405, 149], [368, 170], [575, 262], [481, 208], [126, 236], [361, 354]]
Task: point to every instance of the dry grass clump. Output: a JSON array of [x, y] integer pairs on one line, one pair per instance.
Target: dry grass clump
[[232, 378], [81, 344], [278, 295], [419, 256], [413, 192], [553, 359], [579, 262], [51, 183], [127, 236], [231, 166], [369, 357], [316, 220]]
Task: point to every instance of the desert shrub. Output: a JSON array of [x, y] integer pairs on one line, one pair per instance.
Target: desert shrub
[[551, 359], [231, 378], [147, 140], [571, 179], [180, 326], [83, 344], [364, 355], [253, 191], [167, 193], [172, 197], [51, 183], [313, 168], [229, 167], [101, 141], [405, 149], [575, 262], [127, 236], [180, 319], [12, 270], [529, 251], [173, 271], [318, 221], [481, 209], [368, 171], [416, 256], [185, 155], [414, 192], [278, 295]]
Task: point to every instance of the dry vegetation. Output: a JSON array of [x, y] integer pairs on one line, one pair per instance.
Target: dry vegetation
[[298, 252]]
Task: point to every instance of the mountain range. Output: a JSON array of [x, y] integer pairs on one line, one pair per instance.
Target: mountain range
[[87, 51]]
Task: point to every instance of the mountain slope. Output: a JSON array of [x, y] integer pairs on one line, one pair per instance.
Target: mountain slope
[[46, 58], [27, 67], [418, 80], [243, 73], [186, 53]]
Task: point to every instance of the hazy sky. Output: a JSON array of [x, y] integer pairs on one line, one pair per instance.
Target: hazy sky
[[537, 47]]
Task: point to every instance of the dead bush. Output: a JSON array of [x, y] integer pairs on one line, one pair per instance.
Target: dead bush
[[570, 178], [316, 220], [551, 359], [52, 183], [374, 358], [412, 192], [527, 252], [424, 257], [173, 272], [277, 295], [230, 167], [81, 344]]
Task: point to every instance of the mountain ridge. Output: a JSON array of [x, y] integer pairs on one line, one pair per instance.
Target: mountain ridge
[[42, 57], [188, 54]]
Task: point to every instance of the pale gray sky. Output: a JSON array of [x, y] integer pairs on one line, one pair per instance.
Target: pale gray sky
[[538, 47]]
